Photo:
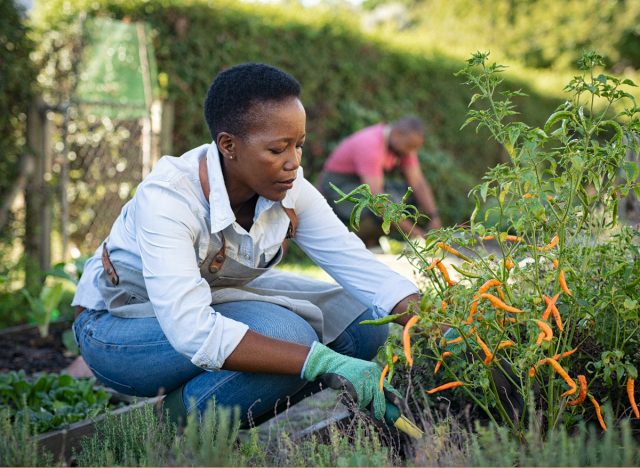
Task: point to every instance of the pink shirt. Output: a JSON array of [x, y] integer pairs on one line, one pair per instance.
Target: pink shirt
[[365, 154]]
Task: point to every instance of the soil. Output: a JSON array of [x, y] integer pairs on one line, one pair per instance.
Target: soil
[[23, 348]]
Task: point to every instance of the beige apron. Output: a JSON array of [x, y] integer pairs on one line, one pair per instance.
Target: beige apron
[[327, 307]]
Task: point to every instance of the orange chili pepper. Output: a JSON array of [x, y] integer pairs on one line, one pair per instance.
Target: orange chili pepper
[[508, 263], [406, 339], [445, 273], [385, 371], [500, 293], [499, 304], [563, 283], [632, 398], [562, 373], [554, 241], [557, 318], [433, 264], [540, 338], [443, 305], [511, 319], [454, 384], [488, 238], [526, 196], [532, 372], [583, 392], [557, 357], [506, 344], [546, 329], [453, 251], [472, 311], [439, 363], [551, 303], [488, 285], [598, 413], [550, 197], [555, 262], [487, 352], [513, 238], [454, 341]]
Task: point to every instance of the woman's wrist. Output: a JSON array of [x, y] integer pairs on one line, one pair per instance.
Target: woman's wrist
[[402, 307]]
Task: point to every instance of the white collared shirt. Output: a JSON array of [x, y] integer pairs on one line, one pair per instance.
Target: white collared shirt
[[164, 231]]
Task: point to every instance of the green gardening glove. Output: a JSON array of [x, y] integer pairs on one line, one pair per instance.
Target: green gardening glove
[[358, 377]]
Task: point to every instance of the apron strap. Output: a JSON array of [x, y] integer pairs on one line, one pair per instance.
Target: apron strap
[[219, 258], [108, 266], [293, 222]]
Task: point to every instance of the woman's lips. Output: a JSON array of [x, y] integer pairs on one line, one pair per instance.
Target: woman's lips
[[286, 184]]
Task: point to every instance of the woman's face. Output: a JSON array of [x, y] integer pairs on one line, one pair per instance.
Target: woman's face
[[265, 160]]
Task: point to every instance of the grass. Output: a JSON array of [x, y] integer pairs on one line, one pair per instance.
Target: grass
[[143, 437]]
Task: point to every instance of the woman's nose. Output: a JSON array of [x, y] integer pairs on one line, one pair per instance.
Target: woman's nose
[[293, 160]]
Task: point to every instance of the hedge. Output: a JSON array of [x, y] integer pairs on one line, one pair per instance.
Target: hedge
[[349, 79]]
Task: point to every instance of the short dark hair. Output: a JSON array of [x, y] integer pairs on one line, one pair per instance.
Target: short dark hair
[[409, 124], [236, 89]]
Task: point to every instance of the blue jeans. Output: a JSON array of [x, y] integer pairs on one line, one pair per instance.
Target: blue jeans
[[133, 356]]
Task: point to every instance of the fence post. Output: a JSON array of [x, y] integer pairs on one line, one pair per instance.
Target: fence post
[[37, 240], [166, 129]]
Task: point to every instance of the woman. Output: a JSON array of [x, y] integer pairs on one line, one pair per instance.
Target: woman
[[182, 297]]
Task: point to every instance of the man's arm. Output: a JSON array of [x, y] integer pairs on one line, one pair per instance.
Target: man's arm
[[424, 195]]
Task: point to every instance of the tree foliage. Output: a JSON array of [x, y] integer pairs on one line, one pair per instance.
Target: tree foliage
[[537, 33]]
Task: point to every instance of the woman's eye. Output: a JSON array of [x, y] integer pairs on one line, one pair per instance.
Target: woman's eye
[[277, 150]]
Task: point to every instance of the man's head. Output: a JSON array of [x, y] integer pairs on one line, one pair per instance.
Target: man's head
[[406, 136], [230, 105]]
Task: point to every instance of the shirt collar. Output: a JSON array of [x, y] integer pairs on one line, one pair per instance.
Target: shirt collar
[[220, 210]]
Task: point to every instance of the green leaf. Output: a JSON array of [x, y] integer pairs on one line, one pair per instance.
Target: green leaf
[[631, 171]]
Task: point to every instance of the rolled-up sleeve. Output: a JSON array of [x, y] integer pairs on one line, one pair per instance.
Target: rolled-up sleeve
[[343, 255], [166, 231]]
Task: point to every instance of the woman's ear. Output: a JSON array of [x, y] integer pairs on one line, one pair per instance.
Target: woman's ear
[[226, 145]]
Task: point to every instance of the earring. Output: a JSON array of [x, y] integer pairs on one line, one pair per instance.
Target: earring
[[230, 157]]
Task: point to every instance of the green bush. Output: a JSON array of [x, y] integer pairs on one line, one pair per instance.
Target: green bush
[[349, 79], [17, 78]]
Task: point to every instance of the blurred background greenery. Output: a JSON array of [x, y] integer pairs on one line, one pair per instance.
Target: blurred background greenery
[[358, 62]]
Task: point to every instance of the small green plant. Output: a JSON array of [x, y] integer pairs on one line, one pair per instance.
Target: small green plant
[[19, 446], [44, 308], [51, 401]]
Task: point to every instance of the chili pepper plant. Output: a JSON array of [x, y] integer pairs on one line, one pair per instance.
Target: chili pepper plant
[[553, 308]]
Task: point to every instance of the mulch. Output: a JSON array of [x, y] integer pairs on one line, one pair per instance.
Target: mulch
[[23, 348]]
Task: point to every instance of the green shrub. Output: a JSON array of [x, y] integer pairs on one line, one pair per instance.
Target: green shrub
[[17, 79]]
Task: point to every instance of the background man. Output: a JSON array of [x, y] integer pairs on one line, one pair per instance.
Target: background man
[[366, 157]]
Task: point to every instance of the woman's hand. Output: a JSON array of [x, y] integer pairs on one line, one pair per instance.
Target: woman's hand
[[361, 379]]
